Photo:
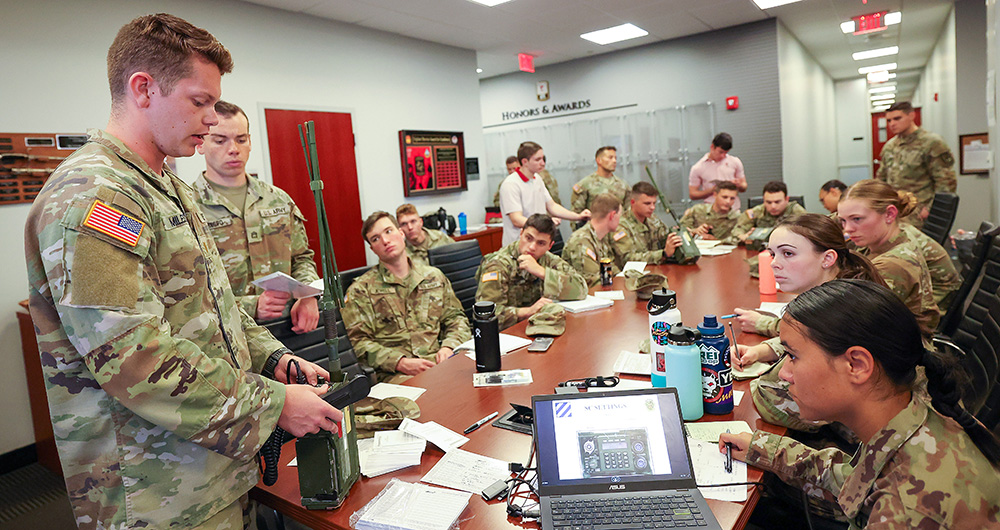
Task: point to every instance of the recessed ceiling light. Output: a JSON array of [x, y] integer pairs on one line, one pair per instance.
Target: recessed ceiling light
[[877, 68], [768, 4], [877, 97], [615, 34], [847, 27], [892, 18], [479, 70], [880, 108], [490, 3], [882, 89], [879, 52]]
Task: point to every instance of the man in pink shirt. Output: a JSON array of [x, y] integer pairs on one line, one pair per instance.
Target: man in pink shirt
[[716, 165]]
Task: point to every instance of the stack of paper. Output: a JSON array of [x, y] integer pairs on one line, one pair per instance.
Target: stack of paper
[[587, 304], [610, 295], [633, 266], [443, 437], [389, 451], [750, 371], [467, 471], [388, 390], [775, 308], [508, 343], [710, 468], [279, 281], [405, 506], [633, 363], [718, 250]]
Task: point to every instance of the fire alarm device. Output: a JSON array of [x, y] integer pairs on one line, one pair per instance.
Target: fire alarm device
[[542, 89], [732, 102]]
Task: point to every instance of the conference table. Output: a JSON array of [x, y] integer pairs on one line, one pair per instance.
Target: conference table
[[589, 347]]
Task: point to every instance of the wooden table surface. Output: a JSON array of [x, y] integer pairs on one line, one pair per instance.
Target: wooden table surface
[[589, 347]]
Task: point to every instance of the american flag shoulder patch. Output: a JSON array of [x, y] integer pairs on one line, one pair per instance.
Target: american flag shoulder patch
[[114, 223], [490, 277], [619, 234]]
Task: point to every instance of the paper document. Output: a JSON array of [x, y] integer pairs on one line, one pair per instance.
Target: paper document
[[710, 468], [398, 450], [405, 506], [387, 390], [508, 343], [737, 397], [774, 308], [709, 431], [633, 363], [443, 437], [587, 304], [751, 371], [279, 281], [718, 250], [466, 471], [610, 295], [704, 244], [633, 266]]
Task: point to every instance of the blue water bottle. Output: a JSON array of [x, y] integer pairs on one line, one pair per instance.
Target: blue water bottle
[[716, 367], [683, 369], [463, 224]]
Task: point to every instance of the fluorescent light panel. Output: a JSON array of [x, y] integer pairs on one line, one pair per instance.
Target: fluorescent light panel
[[768, 4], [879, 52], [490, 3], [479, 70], [615, 34], [882, 89], [848, 27], [876, 97], [876, 68]]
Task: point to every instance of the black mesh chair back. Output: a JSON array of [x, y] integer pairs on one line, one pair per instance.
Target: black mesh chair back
[[312, 346], [941, 217], [980, 282], [758, 200], [347, 277], [982, 365], [459, 262], [557, 243]]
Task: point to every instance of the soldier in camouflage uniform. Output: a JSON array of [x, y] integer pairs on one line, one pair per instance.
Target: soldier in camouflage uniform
[[524, 276], [418, 240], [916, 161], [402, 316], [716, 219], [641, 235], [945, 279], [592, 243], [601, 181], [257, 227], [920, 466], [150, 365], [775, 208]]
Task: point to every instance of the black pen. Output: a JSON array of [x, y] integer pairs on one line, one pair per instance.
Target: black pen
[[734, 348], [729, 456], [481, 422]]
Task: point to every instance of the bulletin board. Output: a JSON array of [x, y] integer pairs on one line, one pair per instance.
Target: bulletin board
[[432, 162], [974, 154], [27, 160]]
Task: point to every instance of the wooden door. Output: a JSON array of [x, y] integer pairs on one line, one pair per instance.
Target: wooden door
[[335, 146], [881, 135]]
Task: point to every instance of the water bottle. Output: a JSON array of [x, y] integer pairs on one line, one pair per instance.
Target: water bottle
[[663, 313], [486, 334], [463, 224], [766, 273], [683, 369], [716, 367]]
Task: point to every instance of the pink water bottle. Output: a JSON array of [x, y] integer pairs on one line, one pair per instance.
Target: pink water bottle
[[767, 285]]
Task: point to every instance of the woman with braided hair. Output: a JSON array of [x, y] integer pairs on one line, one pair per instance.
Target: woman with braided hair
[[853, 350]]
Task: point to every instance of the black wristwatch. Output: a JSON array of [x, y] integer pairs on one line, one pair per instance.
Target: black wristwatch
[[272, 362]]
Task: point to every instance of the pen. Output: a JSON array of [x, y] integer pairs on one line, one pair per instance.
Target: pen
[[481, 422], [729, 456], [733, 345], [723, 317]]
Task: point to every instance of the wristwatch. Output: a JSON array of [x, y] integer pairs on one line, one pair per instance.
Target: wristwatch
[[272, 362]]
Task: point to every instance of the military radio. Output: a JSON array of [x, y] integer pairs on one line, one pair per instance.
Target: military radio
[[688, 252]]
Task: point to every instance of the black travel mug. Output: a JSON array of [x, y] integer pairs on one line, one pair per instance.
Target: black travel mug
[[486, 336]]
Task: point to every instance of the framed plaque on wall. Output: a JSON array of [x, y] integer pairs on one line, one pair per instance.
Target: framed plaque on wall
[[432, 162]]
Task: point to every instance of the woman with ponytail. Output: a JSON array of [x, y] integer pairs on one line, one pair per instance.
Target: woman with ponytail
[[853, 350]]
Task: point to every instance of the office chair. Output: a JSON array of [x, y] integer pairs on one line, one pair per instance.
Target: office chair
[[941, 217], [758, 200], [557, 243], [459, 262], [312, 346], [347, 277]]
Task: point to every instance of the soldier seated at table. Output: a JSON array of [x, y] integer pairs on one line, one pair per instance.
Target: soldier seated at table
[[418, 239], [716, 219], [524, 276], [592, 243], [766, 216], [402, 316], [641, 235]]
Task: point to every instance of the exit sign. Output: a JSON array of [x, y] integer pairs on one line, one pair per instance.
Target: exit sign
[[869, 23], [526, 62]]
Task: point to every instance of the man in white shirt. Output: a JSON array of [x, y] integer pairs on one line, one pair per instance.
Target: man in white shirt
[[523, 193], [716, 165]]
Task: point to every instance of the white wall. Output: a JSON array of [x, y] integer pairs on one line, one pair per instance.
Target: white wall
[[992, 95], [388, 82], [854, 130], [808, 123]]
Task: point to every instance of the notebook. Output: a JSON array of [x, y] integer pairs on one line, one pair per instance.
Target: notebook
[[623, 449]]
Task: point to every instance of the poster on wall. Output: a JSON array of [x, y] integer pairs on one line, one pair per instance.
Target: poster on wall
[[433, 162]]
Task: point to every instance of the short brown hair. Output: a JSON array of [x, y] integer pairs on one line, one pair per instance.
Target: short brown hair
[[406, 209], [374, 218], [541, 223], [511, 160], [904, 106], [228, 110], [601, 150], [604, 204], [527, 150], [161, 45], [725, 185], [644, 188], [776, 186]]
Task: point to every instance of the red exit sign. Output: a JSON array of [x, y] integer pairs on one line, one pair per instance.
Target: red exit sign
[[869, 23]]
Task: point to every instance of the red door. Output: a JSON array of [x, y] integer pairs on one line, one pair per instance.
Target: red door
[[335, 146], [881, 135]]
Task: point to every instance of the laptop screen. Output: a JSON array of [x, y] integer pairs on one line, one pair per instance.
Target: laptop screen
[[590, 441]]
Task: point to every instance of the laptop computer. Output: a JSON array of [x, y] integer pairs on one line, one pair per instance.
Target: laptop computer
[[615, 461]]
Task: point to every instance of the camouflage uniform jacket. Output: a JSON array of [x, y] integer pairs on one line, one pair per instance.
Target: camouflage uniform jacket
[[269, 236], [388, 318], [502, 282], [584, 251], [635, 241], [593, 185], [945, 279], [550, 184], [920, 471], [757, 217], [149, 362], [432, 238], [920, 163], [902, 266], [702, 213]]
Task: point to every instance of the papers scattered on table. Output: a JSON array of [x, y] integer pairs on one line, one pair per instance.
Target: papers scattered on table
[[709, 431], [387, 390], [279, 281], [710, 468], [610, 295], [737, 397], [587, 304], [718, 250], [705, 244], [633, 363], [504, 378], [405, 506], [508, 343], [466, 471], [443, 437], [750, 372], [632, 266], [389, 451], [775, 308]]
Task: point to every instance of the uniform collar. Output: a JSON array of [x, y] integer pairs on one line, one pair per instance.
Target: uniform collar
[[165, 181], [209, 196], [416, 275], [890, 243]]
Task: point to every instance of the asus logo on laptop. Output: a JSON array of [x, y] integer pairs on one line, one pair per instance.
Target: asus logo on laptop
[[616, 487]]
